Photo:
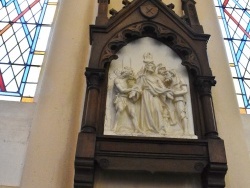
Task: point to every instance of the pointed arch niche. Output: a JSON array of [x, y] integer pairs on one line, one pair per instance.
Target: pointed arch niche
[[129, 59], [125, 91]]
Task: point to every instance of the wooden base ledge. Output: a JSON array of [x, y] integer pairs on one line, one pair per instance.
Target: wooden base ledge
[[204, 157]]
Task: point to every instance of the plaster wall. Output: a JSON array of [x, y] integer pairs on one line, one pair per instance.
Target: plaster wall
[[52, 143], [15, 123], [246, 125], [229, 122]]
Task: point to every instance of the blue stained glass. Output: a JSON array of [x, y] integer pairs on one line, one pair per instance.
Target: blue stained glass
[[24, 30], [235, 15]]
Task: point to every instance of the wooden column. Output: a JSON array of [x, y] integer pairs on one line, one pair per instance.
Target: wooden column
[[85, 152], [204, 84], [94, 78]]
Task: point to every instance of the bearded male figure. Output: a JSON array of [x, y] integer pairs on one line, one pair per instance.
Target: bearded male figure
[[123, 104], [179, 93]]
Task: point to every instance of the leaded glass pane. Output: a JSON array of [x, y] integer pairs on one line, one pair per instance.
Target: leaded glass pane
[[24, 31], [234, 19]]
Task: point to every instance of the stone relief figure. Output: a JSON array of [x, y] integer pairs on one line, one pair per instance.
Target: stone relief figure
[[179, 89], [123, 84], [149, 102], [153, 95], [164, 76]]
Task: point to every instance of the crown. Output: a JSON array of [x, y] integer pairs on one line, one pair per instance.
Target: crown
[[148, 57]]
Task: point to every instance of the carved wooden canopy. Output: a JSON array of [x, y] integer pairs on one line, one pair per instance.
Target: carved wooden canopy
[[185, 36]]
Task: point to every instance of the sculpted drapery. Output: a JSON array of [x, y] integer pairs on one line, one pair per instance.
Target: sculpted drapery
[[149, 102], [153, 106]]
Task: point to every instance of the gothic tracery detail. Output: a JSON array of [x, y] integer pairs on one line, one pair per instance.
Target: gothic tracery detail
[[157, 31]]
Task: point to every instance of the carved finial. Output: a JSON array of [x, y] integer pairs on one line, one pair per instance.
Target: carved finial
[[188, 6], [102, 17], [113, 12], [126, 2], [104, 1], [171, 6]]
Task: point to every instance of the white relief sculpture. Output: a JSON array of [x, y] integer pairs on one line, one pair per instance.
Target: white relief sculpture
[[153, 95], [165, 78], [148, 99], [179, 90], [123, 85]]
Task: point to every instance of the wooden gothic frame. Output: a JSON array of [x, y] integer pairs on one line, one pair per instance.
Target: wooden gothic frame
[[184, 35]]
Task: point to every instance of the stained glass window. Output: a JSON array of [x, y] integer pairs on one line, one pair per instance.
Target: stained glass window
[[234, 19], [24, 31]]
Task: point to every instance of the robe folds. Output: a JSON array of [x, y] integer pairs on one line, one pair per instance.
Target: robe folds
[[153, 105]]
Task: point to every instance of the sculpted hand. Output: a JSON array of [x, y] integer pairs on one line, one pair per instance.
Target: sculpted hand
[[134, 95], [170, 95]]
